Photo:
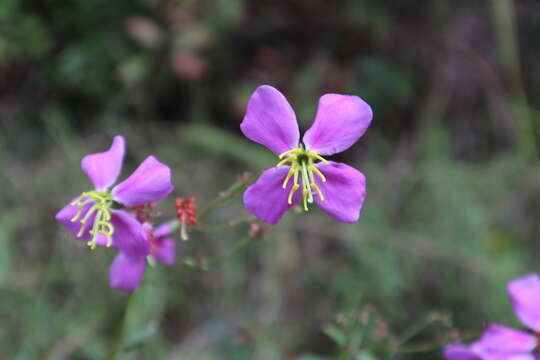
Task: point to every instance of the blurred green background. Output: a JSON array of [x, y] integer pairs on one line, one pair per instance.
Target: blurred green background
[[451, 163]]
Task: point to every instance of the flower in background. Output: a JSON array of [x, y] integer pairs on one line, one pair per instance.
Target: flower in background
[[302, 174], [127, 269], [94, 216], [503, 343]]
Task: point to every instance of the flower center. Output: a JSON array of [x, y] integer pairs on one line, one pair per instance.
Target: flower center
[[101, 205], [302, 166]]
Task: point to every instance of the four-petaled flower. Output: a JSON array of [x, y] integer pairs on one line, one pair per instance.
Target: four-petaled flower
[[127, 270], [302, 173], [503, 343], [95, 215]]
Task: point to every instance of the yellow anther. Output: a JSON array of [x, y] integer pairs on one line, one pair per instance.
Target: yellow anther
[[81, 230], [291, 173], [291, 193], [107, 229], [318, 172], [77, 200], [305, 194], [286, 160], [101, 223], [293, 151], [301, 162], [77, 215], [313, 154], [316, 188]]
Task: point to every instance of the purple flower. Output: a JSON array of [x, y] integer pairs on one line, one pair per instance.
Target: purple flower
[[503, 343], [94, 216], [127, 270], [302, 173]]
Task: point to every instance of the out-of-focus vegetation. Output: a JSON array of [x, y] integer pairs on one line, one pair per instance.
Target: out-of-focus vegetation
[[451, 163]]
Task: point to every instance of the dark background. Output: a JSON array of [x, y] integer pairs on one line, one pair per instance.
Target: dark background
[[451, 161]]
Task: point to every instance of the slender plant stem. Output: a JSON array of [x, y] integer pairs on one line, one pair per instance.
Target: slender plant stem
[[240, 245], [504, 15], [115, 345], [229, 224], [224, 196], [217, 202]]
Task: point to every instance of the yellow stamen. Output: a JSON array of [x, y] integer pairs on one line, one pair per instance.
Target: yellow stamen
[[317, 156], [293, 151], [291, 193], [106, 229], [314, 186], [291, 172], [318, 172], [102, 203], [301, 162], [305, 183], [284, 161]]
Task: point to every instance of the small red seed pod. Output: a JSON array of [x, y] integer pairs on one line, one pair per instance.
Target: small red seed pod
[[149, 229], [186, 211], [143, 213], [256, 231]]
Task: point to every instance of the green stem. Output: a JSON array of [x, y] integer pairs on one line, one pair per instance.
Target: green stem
[[508, 50], [225, 196], [217, 202], [205, 263], [229, 224], [240, 245], [115, 346]]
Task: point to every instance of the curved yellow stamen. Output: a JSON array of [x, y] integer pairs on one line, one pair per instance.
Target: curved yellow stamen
[[293, 151], [107, 229], [284, 161], [302, 166], [313, 154], [318, 172], [291, 193], [316, 188], [102, 203], [305, 198], [291, 172]]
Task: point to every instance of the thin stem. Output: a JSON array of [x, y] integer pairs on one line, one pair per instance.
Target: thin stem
[[415, 329], [205, 263], [431, 346], [217, 202], [504, 15], [225, 196], [229, 224], [115, 346], [240, 245]]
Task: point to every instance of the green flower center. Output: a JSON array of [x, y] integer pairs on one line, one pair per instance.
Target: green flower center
[[102, 203], [302, 166]]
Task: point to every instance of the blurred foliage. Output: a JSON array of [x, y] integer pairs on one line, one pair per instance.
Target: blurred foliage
[[450, 159]]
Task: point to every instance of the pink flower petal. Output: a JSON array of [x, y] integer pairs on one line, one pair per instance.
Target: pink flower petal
[[165, 251], [340, 121], [129, 235], [149, 183], [344, 191], [525, 296], [459, 352], [267, 199], [270, 120], [501, 339], [162, 230], [65, 215], [103, 168], [126, 273]]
